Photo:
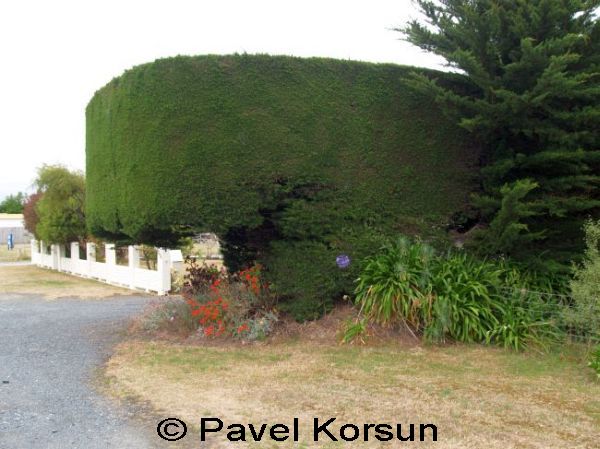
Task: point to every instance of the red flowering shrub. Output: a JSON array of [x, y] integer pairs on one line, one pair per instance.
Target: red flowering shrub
[[198, 278], [238, 305]]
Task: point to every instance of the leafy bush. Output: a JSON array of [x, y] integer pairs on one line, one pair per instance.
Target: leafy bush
[[171, 314], [258, 327], [594, 361], [355, 330], [525, 321], [466, 306], [60, 208], [454, 296], [584, 315], [396, 284], [199, 277], [305, 278], [238, 305], [290, 161], [13, 204]]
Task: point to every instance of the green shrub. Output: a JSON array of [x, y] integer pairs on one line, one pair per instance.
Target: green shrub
[[456, 296], [396, 284], [257, 328], [466, 304], [305, 278], [285, 159], [355, 330], [526, 321], [594, 361], [171, 315], [240, 304], [584, 315]]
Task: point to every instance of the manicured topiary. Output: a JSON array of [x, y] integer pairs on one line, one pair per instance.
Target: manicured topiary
[[290, 161]]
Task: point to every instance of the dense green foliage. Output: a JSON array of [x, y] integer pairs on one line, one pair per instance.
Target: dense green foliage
[[455, 296], [13, 204], [396, 284], [594, 361], [584, 315], [289, 161], [533, 104], [60, 209]]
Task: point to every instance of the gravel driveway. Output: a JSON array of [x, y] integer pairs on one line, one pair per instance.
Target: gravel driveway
[[49, 353]]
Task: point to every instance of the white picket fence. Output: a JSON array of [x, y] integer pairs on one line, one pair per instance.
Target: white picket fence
[[128, 276]]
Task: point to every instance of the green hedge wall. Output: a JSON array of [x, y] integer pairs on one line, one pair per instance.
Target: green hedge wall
[[290, 161]]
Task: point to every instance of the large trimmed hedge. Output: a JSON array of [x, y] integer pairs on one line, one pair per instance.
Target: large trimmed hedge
[[290, 161]]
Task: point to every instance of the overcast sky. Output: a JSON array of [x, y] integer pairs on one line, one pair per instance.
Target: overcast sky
[[56, 54]]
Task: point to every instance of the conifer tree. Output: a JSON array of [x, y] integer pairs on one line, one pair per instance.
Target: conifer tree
[[531, 69]]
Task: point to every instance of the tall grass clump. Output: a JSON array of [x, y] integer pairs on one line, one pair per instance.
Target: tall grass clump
[[583, 317], [455, 296], [465, 305], [397, 283]]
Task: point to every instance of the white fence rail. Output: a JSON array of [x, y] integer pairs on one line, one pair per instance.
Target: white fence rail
[[128, 276]]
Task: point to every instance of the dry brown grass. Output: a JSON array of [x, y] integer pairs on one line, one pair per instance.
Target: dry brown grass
[[21, 251], [478, 397], [30, 279]]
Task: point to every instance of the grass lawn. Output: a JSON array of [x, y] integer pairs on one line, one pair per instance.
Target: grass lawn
[[30, 279], [478, 397], [21, 251]]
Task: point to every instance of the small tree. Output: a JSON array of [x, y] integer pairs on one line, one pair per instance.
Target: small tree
[[530, 95], [13, 204], [30, 214], [60, 209]]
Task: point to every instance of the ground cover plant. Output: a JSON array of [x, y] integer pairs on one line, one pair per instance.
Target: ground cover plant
[[290, 161]]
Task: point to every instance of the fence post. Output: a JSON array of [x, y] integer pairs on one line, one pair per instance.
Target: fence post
[[33, 251], [62, 252], [134, 262], [90, 251], [111, 254], [75, 251], [55, 253], [163, 267], [75, 267]]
